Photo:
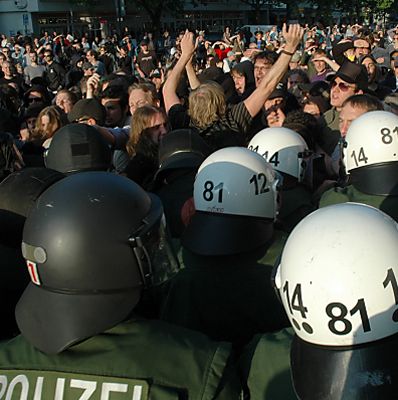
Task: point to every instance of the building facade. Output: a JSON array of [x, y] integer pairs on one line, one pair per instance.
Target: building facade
[[38, 16]]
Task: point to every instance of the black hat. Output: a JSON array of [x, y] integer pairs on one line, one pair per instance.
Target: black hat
[[76, 148], [352, 73], [144, 42], [88, 108], [182, 148], [87, 65]]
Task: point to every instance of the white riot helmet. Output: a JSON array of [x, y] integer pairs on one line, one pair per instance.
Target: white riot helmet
[[235, 195], [284, 148], [338, 282], [371, 151]]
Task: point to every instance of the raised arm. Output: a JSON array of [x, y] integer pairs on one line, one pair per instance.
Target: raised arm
[[192, 77], [256, 100], [169, 89]]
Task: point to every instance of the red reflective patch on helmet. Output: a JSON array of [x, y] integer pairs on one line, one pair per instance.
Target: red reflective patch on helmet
[[32, 268]]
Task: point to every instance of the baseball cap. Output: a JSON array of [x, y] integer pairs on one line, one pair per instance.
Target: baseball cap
[[87, 108]]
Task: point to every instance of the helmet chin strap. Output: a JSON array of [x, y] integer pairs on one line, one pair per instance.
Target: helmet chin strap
[[368, 179], [143, 260]]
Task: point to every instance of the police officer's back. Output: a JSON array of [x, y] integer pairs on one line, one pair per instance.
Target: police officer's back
[[224, 289], [371, 162], [89, 245]]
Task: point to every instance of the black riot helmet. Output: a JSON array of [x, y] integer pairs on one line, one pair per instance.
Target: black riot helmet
[[18, 194], [76, 148], [86, 245]]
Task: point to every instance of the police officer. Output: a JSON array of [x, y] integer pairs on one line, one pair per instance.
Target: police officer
[[337, 282], [370, 158], [339, 290], [287, 151], [18, 194], [180, 154], [89, 245], [224, 289]]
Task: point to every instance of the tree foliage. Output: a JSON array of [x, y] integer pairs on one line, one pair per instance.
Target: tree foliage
[[155, 9]]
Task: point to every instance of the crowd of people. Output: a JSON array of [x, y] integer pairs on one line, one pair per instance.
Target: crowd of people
[[200, 220]]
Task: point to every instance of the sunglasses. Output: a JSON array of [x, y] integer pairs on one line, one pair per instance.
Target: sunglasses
[[342, 86], [35, 99]]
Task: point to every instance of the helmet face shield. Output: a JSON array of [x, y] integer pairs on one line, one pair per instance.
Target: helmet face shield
[[155, 256]]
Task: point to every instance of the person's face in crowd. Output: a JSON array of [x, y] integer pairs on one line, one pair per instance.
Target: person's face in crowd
[[114, 113], [89, 71], [370, 68], [319, 65], [158, 128], [30, 124], [48, 57], [139, 98], [16, 49], [6, 68], [7, 52], [340, 91], [293, 80], [239, 81], [90, 57], [45, 123], [261, 69], [144, 47], [157, 81], [293, 64], [63, 101], [362, 47], [2, 59], [19, 68], [33, 57], [312, 108], [348, 114], [35, 97]]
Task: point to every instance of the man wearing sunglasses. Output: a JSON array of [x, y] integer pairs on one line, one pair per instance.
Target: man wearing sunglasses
[[55, 73], [350, 79]]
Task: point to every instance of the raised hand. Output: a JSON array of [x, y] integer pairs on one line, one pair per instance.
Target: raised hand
[[292, 36]]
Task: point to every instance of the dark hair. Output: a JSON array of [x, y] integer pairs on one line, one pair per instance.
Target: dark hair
[[300, 72], [268, 56], [365, 101], [116, 92], [305, 124]]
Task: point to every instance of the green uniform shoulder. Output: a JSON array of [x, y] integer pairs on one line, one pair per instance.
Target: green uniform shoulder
[[138, 358], [265, 366]]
